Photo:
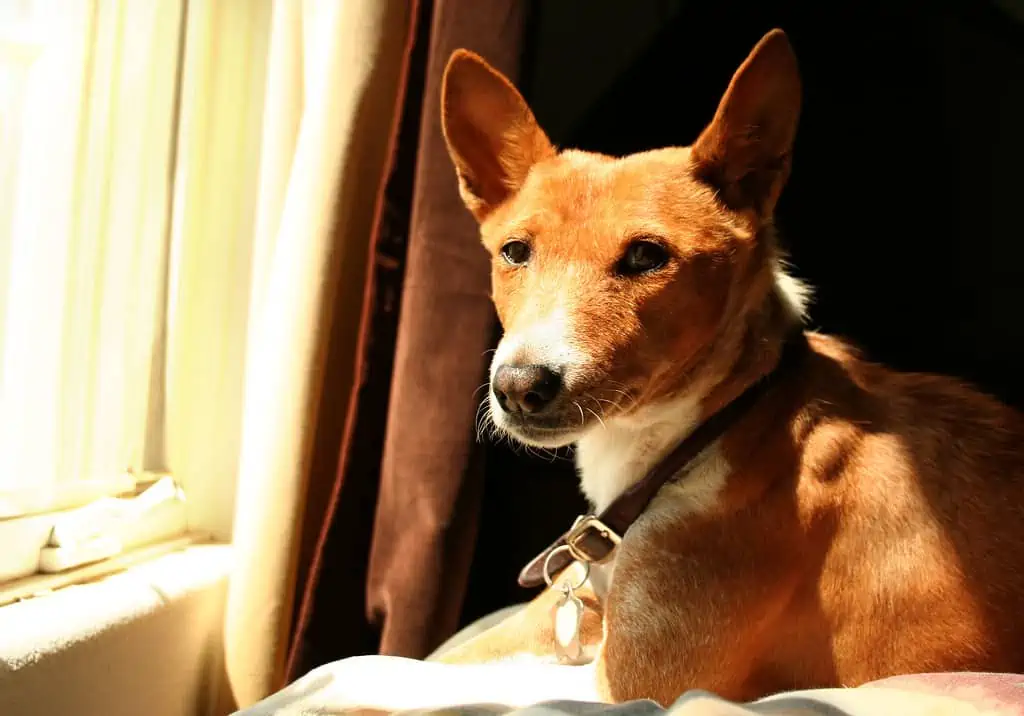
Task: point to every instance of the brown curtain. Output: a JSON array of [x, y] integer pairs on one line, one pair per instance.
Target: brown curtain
[[421, 541], [387, 571]]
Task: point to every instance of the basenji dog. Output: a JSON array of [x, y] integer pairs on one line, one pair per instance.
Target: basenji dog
[[771, 511]]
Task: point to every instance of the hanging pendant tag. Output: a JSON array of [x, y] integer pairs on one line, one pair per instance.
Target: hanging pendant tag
[[568, 618]]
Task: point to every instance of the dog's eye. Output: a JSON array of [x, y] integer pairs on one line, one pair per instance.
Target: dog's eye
[[641, 257], [516, 252]]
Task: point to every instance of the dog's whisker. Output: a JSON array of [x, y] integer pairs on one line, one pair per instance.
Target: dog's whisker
[[482, 419], [632, 400], [554, 456], [598, 418], [482, 386], [598, 404]]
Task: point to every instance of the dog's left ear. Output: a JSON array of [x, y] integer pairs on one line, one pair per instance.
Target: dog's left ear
[[492, 136], [745, 152]]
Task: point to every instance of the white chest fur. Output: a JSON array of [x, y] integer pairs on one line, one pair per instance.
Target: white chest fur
[[617, 454]]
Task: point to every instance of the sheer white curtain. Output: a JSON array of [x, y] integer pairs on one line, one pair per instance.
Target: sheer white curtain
[[333, 79], [87, 96]]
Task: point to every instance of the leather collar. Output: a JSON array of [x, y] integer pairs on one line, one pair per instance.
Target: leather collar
[[593, 538]]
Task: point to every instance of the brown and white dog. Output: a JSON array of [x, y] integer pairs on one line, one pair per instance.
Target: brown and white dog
[[854, 523]]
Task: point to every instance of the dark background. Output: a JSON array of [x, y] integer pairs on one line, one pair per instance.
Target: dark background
[[903, 210]]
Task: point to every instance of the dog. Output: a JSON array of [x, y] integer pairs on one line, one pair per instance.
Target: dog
[[845, 524]]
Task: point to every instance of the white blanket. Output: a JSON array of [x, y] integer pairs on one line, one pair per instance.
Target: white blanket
[[394, 684]]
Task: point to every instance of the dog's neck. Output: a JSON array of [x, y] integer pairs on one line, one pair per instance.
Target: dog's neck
[[613, 457], [617, 454]]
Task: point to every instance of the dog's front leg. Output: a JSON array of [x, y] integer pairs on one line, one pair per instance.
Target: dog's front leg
[[530, 633]]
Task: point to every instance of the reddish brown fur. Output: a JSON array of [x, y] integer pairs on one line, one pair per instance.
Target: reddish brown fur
[[872, 523]]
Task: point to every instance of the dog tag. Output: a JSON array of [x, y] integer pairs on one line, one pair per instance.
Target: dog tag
[[568, 617]]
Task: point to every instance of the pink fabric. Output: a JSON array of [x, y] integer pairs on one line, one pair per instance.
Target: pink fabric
[[1002, 692]]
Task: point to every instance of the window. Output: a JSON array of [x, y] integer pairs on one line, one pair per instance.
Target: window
[[89, 96]]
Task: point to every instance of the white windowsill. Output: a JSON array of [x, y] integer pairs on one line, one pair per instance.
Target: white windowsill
[[143, 640], [56, 542], [37, 584]]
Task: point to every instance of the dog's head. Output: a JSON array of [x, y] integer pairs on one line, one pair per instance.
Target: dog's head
[[614, 277]]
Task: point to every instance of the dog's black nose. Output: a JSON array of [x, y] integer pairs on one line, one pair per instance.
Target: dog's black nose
[[526, 389]]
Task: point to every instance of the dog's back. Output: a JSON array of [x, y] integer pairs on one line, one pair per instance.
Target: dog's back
[[924, 478]]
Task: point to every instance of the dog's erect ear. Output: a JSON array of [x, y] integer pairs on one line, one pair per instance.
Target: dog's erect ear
[[745, 151], [492, 135]]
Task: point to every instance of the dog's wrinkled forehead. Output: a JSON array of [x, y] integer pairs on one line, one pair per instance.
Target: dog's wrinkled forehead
[[590, 202]]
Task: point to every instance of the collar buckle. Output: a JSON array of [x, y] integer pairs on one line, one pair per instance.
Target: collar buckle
[[590, 540]]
